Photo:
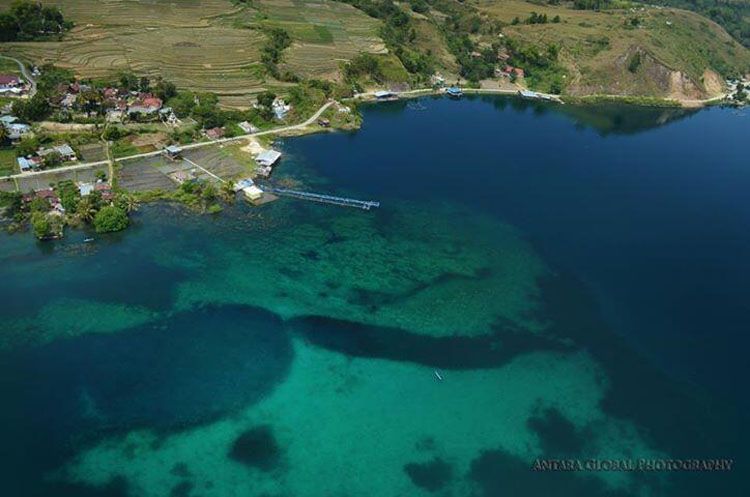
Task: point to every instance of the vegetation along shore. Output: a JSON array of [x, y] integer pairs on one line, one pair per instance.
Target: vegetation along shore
[[104, 108]]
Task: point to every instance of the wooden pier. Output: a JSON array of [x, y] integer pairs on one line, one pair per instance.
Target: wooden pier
[[324, 199]]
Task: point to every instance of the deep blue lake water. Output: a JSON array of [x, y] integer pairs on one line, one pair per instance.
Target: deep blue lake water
[[578, 276]]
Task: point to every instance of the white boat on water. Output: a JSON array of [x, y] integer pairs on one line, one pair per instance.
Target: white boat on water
[[438, 375]]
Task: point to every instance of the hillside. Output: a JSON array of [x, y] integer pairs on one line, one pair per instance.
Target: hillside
[[204, 45], [642, 51], [221, 46]]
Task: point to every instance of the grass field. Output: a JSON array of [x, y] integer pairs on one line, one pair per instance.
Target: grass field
[[681, 53], [204, 45], [9, 67], [7, 161]]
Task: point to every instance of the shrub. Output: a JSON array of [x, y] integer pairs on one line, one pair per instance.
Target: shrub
[[110, 218]]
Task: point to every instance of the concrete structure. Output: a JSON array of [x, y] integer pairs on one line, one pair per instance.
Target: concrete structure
[[268, 157], [253, 192]]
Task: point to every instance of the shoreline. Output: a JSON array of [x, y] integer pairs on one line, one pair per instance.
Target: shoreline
[[307, 127], [369, 97]]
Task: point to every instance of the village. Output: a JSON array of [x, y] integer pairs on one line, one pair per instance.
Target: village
[[105, 147]]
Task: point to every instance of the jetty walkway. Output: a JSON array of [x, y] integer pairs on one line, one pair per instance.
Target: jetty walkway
[[324, 199]]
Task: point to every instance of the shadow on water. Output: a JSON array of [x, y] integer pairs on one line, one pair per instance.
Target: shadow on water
[[605, 118], [449, 352], [678, 419], [188, 369]]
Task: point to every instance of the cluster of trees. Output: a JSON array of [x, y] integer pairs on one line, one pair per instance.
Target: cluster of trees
[[399, 33], [364, 65], [129, 81], [203, 195], [92, 210], [590, 4], [38, 108], [271, 53], [535, 18], [28, 21]]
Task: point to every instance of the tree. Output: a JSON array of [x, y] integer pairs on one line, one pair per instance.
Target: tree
[[110, 218], [266, 99], [128, 80], [3, 135], [35, 109], [51, 160], [164, 89], [87, 209], [28, 146], [127, 203], [41, 225], [144, 84]]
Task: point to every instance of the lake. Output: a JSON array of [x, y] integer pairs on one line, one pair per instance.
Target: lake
[[540, 282]]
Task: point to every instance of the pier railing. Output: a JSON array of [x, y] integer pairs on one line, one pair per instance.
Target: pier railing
[[324, 199]]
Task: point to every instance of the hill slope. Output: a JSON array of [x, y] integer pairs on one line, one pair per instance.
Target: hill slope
[[644, 51], [204, 45], [217, 45]]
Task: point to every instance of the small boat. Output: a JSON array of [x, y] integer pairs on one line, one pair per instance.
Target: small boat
[[88, 240], [438, 375]]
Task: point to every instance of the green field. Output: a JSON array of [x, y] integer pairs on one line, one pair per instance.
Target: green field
[[7, 161]]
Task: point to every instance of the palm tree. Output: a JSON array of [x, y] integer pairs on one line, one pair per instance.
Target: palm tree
[[86, 209], [128, 203], [227, 190]]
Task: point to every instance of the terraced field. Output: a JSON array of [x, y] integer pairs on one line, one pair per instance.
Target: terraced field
[[205, 45], [325, 33]]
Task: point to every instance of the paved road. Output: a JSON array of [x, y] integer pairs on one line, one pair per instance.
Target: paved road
[[88, 165], [25, 73]]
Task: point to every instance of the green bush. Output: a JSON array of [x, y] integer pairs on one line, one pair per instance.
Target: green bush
[[110, 218]]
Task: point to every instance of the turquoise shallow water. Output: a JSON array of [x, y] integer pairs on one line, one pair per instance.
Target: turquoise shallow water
[[577, 277]]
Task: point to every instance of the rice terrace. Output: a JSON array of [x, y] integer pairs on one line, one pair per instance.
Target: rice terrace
[[204, 45]]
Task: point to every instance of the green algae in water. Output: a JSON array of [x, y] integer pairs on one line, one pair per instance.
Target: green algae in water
[[438, 270], [334, 417]]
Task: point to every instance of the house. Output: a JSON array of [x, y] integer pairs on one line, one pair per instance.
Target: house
[[28, 164], [6, 120], [172, 152], [17, 130], [69, 100], [324, 123], [10, 83], [215, 133], [65, 151], [110, 93], [247, 127], [145, 104], [85, 189], [280, 108], [253, 192], [268, 158], [454, 92], [105, 191], [47, 194], [242, 184], [385, 95]]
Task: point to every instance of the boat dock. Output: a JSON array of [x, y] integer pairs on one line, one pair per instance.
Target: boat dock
[[324, 199]]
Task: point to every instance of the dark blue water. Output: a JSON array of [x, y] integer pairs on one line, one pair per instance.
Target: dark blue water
[[654, 220], [642, 219]]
